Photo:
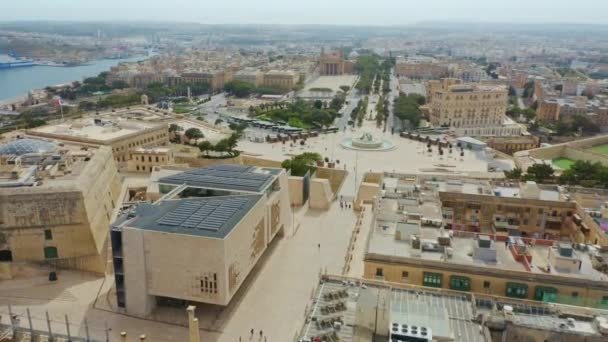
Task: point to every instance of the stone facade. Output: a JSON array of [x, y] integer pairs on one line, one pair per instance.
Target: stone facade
[[64, 222], [455, 105]]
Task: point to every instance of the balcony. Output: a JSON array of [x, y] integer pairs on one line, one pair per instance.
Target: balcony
[[506, 224]]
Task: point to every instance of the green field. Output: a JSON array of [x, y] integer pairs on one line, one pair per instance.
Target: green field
[[563, 163], [603, 149]]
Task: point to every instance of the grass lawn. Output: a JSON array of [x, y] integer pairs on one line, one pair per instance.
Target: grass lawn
[[603, 149], [563, 163]]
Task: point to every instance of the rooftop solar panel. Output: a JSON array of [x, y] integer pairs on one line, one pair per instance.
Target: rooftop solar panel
[[229, 177]]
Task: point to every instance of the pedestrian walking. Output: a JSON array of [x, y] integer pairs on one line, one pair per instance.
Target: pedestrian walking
[[251, 332], [319, 246], [261, 334], [341, 205]]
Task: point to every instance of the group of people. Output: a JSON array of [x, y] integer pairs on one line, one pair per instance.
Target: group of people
[[344, 204], [253, 332]]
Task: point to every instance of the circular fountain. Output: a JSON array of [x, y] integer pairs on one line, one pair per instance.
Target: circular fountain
[[367, 142]]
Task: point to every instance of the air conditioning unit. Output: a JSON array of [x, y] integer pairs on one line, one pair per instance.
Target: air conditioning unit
[[405, 332]]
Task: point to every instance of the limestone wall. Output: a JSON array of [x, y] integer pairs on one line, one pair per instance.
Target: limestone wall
[[334, 176], [321, 195], [296, 191], [197, 162], [366, 194], [261, 162]]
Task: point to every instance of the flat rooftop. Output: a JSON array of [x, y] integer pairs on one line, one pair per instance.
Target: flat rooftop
[[225, 177], [497, 189], [212, 217], [382, 242], [104, 131]]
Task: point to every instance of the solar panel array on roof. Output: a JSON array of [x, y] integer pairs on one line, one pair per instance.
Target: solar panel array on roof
[[209, 215], [229, 177]]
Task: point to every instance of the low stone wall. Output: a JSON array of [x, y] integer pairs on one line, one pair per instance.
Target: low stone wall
[[256, 161], [196, 161]]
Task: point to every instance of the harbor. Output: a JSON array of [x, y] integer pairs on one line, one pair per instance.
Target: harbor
[[19, 80]]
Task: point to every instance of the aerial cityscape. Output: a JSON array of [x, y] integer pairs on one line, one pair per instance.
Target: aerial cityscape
[[279, 174]]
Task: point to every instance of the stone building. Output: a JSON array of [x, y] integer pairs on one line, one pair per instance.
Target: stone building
[[285, 79], [147, 159], [425, 232], [216, 78], [252, 76], [121, 135], [202, 239], [420, 68], [455, 105], [333, 63], [56, 201], [512, 144]]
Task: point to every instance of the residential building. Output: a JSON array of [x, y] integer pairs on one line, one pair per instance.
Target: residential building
[[350, 309], [56, 202], [411, 242], [201, 239]]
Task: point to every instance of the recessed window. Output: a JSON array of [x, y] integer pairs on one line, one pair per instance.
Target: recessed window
[[405, 274], [486, 284], [574, 294], [48, 234], [379, 272]]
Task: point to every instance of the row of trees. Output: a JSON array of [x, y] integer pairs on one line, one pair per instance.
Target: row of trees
[[581, 173], [382, 110], [358, 113], [158, 91], [225, 147], [242, 89], [300, 113]]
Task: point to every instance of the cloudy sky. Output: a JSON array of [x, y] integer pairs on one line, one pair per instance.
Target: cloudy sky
[[368, 12]]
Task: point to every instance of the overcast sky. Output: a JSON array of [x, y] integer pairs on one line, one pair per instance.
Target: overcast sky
[[363, 12]]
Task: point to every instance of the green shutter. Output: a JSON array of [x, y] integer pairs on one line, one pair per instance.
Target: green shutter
[[432, 279], [517, 290], [545, 293], [50, 253], [460, 283]]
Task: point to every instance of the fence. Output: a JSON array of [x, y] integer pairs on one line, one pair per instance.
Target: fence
[[22, 322]]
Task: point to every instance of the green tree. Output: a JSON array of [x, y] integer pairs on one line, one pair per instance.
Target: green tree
[[239, 88], [302, 163], [194, 133], [540, 173], [516, 173], [175, 128], [318, 104], [205, 147]]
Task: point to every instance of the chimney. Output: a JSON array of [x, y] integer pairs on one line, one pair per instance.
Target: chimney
[[193, 325], [123, 336]]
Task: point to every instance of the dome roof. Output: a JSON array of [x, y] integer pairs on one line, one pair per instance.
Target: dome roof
[[25, 146]]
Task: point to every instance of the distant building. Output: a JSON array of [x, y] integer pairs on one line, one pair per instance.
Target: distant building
[[202, 239], [215, 79], [333, 63], [512, 144], [252, 76], [285, 79], [420, 68]]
